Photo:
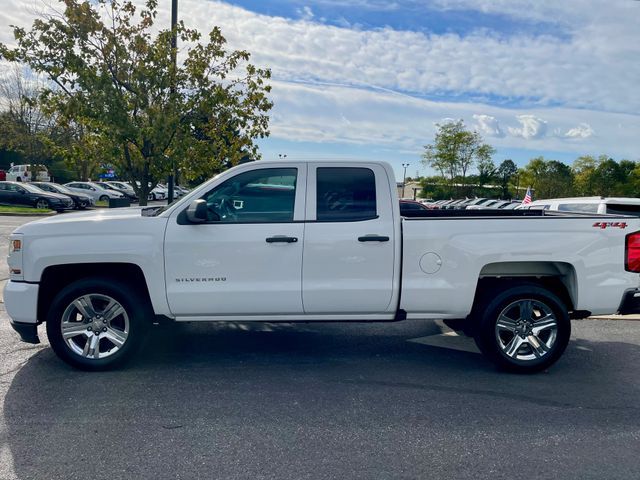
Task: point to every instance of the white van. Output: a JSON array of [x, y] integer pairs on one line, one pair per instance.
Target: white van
[[23, 173], [598, 205]]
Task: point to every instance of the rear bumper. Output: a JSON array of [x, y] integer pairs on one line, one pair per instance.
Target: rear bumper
[[630, 302]]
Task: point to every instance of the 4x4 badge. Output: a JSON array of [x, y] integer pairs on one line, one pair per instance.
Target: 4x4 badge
[[604, 225]]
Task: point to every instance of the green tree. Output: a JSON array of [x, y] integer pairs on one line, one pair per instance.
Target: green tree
[[486, 170], [548, 178], [23, 124], [584, 168], [82, 150], [455, 150], [505, 173], [608, 177], [114, 73]]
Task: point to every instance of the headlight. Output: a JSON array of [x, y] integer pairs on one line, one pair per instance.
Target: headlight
[[15, 245], [14, 259]]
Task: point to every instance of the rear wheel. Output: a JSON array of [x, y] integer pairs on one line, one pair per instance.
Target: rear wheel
[[524, 329], [96, 324]]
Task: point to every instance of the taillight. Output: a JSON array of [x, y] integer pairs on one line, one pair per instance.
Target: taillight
[[632, 252]]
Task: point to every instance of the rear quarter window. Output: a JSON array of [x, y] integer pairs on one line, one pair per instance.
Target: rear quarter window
[[623, 209]]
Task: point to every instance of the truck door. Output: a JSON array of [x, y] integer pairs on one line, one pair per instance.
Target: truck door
[[247, 258], [350, 240]]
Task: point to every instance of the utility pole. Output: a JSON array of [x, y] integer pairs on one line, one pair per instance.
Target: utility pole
[[404, 176], [174, 45]]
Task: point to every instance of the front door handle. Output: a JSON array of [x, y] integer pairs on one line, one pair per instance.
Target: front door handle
[[282, 239], [373, 238]]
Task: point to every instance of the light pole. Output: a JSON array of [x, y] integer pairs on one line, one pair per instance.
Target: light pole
[[404, 176], [174, 45]]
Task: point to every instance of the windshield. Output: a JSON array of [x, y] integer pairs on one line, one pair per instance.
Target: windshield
[[31, 188], [60, 188]]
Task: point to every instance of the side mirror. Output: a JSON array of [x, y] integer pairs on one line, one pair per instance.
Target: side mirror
[[197, 211]]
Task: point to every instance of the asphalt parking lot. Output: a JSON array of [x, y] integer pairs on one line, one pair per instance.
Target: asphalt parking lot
[[405, 400]]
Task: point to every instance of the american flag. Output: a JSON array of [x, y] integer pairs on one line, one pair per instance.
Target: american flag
[[527, 197]]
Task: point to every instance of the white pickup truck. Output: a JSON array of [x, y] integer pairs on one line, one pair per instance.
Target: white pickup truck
[[317, 241]]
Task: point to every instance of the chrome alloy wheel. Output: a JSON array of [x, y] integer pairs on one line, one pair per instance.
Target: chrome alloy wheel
[[526, 329], [95, 326]]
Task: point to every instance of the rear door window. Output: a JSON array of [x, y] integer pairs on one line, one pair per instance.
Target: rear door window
[[345, 194], [579, 207]]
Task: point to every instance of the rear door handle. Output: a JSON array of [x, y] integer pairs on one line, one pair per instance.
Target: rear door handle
[[282, 239], [373, 238]]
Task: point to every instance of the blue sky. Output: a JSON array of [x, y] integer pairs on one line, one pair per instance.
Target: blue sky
[[370, 79]]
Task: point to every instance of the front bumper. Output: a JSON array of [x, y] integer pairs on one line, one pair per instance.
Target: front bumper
[[630, 302], [28, 331], [21, 303]]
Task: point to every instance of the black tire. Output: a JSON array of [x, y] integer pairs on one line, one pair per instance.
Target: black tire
[[104, 198], [488, 339], [133, 305], [19, 179]]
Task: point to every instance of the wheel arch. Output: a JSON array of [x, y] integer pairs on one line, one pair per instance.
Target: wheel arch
[[56, 277], [557, 277]]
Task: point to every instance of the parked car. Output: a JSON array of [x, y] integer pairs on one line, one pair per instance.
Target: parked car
[[125, 188], [317, 241], [157, 193], [478, 203], [177, 191], [160, 192], [488, 204], [110, 186], [598, 205], [80, 200], [28, 195], [27, 173], [183, 191], [411, 206], [511, 205], [442, 204], [94, 190]]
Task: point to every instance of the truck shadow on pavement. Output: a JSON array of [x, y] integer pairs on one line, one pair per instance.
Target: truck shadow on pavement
[[283, 401]]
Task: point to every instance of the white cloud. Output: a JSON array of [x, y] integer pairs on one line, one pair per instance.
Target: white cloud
[[583, 130], [305, 13], [377, 79], [592, 68], [314, 113], [530, 127], [488, 125]]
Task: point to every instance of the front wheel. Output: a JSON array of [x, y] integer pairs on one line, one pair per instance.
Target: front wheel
[[104, 198], [96, 324], [524, 329], [42, 204]]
